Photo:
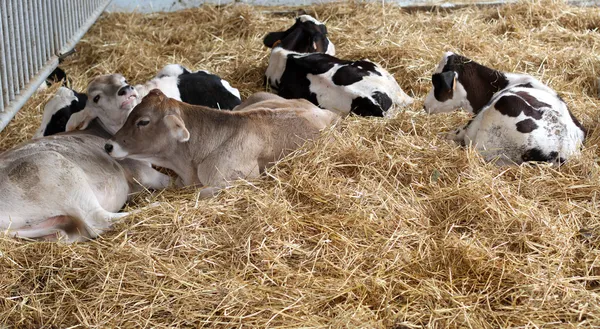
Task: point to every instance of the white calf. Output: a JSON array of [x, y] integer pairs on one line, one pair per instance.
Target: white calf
[[67, 185]]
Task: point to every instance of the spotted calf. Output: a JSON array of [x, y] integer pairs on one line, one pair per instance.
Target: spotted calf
[[301, 65], [58, 111], [516, 117]]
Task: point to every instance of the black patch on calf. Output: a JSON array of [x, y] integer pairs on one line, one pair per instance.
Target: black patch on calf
[[526, 126], [443, 85], [385, 102], [365, 107], [58, 121], [513, 106], [201, 88], [314, 63], [536, 154], [532, 100], [294, 82], [353, 72]]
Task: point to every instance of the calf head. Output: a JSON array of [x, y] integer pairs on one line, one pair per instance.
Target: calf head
[[307, 35], [58, 110], [154, 127], [111, 99], [460, 82]]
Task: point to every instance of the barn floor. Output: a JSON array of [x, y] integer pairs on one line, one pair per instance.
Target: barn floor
[[381, 224]]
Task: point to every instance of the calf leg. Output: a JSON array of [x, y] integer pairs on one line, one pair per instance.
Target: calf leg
[[96, 220], [458, 135], [40, 233]]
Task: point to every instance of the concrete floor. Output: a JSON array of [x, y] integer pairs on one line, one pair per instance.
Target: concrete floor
[[172, 5]]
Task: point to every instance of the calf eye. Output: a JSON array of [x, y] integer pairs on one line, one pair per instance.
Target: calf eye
[[96, 99], [143, 123]]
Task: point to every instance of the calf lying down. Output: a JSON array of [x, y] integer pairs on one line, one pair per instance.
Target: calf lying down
[[58, 111], [112, 98], [516, 117], [299, 71], [67, 185], [210, 147]]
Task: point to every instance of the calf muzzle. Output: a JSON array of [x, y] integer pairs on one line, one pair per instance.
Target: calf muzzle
[[108, 147], [124, 90]]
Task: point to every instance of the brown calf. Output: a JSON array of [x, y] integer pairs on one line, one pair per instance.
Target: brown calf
[[210, 147]]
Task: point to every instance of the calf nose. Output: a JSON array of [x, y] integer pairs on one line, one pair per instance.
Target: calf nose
[[124, 89], [108, 147]]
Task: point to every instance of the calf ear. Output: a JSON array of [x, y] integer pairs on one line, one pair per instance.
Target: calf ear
[[177, 128], [449, 80], [272, 38], [80, 120]]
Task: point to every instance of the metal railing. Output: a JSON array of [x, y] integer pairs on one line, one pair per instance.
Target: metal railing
[[33, 36]]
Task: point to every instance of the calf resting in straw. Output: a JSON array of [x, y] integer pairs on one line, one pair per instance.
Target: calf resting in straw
[[302, 65], [67, 185], [111, 98], [516, 117], [208, 147]]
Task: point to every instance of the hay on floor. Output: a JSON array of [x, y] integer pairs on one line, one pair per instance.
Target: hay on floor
[[379, 224]]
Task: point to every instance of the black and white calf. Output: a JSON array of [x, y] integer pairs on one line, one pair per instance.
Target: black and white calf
[[202, 87], [112, 98], [341, 86], [58, 111], [516, 117]]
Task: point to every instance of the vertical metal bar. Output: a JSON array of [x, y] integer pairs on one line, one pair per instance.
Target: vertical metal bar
[[37, 33], [22, 35], [64, 24], [67, 18], [55, 26], [90, 8], [28, 38], [4, 68], [1, 96], [48, 34], [30, 19], [74, 17], [13, 48]]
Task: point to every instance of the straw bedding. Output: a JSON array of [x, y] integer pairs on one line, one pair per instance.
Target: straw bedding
[[378, 224]]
